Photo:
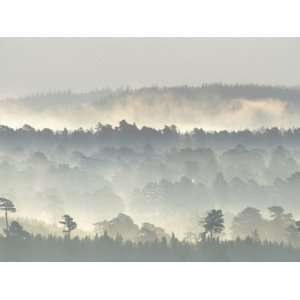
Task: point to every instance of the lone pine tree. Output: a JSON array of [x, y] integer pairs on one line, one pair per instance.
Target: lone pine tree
[[69, 225]]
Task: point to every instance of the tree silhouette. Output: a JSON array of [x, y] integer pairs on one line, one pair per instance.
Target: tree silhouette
[[17, 231], [297, 225], [69, 225], [247, 221], [7, 206], [276, 211], [213, 223]]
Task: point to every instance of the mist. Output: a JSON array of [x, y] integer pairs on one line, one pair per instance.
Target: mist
[[152, 107]]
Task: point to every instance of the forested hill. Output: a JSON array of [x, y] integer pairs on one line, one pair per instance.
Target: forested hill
[[224, 91], [212, 107]]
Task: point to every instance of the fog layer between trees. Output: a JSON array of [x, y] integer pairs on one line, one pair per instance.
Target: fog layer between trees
[[212, 107], [157, 176], [161, 174]]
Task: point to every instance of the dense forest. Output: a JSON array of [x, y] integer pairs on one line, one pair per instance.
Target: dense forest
[[107, 249], [162, 180], [120, 239], [141, 191]]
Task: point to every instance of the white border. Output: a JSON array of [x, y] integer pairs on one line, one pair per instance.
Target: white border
[[149, 281], [149, 18]]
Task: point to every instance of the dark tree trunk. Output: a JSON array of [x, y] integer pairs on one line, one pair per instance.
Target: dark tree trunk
[[6, 221]]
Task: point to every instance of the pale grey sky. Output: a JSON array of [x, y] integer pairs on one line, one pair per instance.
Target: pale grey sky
[[29, 65]]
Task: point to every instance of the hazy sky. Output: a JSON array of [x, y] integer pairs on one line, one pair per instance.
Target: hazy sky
[[29, 65]]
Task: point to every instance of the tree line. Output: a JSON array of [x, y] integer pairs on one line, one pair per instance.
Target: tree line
[[126, 134], [19, 245]]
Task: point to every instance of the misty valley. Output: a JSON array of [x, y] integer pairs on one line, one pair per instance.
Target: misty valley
[[129, 191]]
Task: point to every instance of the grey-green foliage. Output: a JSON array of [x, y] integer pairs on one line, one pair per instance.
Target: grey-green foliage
[[7, 205], [105, 248], [69, 225], [16, 231], [213, 223]]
